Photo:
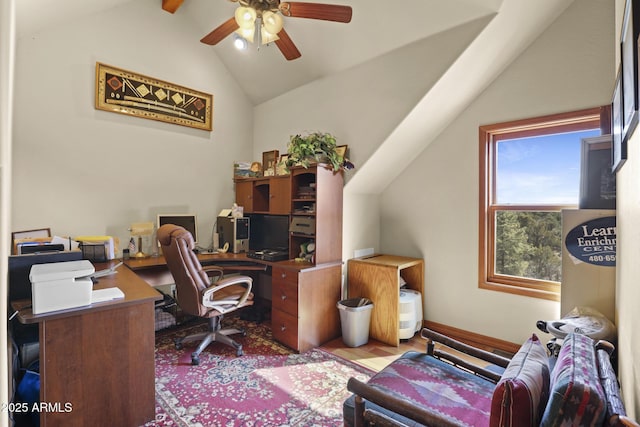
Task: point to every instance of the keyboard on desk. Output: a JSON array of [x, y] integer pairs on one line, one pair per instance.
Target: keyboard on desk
[[272, 255]]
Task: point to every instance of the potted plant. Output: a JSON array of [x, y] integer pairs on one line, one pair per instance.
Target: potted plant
[[315, 147]]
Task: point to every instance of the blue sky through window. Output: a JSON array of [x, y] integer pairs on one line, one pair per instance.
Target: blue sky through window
[[540, 170]]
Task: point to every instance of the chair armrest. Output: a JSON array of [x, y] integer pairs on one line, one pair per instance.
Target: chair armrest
[[209, 294], [214, 272], [494, 377], [433, 337], [395, 404]]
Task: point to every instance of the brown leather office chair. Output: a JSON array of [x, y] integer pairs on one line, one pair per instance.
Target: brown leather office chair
[[197, 294]]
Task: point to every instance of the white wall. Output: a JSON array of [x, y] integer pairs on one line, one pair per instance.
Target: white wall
[[361, 107], [627, 273], [627, 266], [83, 171], [569, 67], [7, 52]]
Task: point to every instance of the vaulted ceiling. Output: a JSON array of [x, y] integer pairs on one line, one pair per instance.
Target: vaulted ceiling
[[377, 27]]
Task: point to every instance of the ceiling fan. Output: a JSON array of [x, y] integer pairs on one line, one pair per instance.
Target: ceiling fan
[[259, 21]]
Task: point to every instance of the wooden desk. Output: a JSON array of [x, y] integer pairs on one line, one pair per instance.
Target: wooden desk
[[304, 295], [98, 360]]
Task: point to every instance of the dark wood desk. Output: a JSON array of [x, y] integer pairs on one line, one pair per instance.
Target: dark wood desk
[[304, 295], [98, 360]]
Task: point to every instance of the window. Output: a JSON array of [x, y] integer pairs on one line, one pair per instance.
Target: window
[[529, 172]]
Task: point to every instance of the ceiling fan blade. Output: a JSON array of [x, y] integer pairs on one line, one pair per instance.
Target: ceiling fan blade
[[171, 5], [286, 46], [215, 36], [326, 12]]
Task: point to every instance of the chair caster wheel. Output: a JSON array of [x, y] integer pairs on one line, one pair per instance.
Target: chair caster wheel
[[195, 360], [178, 344], [239, 352]]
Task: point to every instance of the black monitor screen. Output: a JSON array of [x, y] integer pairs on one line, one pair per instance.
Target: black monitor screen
[[269, 232], [186, 221]]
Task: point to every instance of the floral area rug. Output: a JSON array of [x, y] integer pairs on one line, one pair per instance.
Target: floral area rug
[[269, 385]]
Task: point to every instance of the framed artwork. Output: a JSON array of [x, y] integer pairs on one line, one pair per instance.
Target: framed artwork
[[629, 55], [282, 168], [342, 150], [125, 92], [619, 145], [597, 180], [269, 160]]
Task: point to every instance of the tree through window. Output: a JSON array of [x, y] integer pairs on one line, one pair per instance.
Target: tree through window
[[529, 172]]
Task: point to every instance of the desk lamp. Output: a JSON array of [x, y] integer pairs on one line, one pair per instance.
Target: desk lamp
[[140, 229]]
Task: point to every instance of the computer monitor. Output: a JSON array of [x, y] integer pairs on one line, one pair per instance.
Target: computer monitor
[[269, 232], [188, 221]]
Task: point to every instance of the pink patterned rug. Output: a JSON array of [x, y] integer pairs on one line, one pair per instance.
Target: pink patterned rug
[[269, 386]]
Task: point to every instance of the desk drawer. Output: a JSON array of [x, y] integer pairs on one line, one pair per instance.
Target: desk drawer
[[285, 297], [285, 328], [280, 274]]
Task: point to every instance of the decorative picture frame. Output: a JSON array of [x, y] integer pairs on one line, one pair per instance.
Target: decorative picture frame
[[629, 67], [282, 168], [597, 180], [619, 145], [133, 94], [342, 150], [269, 162]]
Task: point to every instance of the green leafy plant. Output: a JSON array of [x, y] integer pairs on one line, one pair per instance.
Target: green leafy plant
[[316, 147]]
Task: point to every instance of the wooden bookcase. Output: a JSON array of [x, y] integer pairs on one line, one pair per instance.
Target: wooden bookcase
[[316, 194], [377, 277]]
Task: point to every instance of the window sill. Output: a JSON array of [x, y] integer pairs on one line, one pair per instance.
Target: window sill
[[520, 290]]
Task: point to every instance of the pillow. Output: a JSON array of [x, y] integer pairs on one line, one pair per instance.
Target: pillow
[[576, 397], [521, 394]]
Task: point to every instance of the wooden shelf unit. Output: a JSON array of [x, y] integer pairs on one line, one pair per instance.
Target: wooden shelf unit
[[304, 294], [377, 277], [316, 193], [268, 195]]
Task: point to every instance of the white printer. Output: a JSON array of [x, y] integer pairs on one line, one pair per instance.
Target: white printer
[[61, 285]]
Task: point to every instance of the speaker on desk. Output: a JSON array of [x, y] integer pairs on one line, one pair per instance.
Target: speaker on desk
[[234, 232]]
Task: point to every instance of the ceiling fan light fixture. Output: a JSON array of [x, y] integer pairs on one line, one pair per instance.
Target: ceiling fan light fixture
[[246, 34], [272, 22], [245, 17], [268, 37], [240, 42]]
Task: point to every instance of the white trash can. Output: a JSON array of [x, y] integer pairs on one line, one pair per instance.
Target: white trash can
[[355, 316]]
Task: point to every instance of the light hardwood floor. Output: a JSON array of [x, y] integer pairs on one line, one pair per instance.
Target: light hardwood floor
[[374, 355]]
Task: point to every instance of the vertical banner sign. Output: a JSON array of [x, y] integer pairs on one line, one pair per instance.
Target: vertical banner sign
[[594, 242]]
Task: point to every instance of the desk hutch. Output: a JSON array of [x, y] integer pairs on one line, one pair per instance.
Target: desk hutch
[[304, 294]]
